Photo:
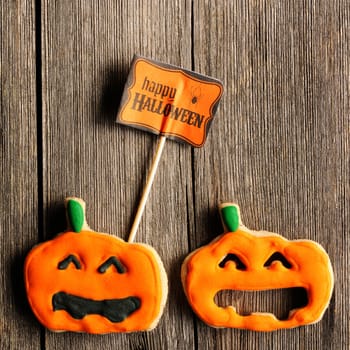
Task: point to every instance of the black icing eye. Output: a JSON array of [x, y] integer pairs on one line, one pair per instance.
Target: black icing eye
[[278, 257], [62, 265], [233, 257], [112, 261]]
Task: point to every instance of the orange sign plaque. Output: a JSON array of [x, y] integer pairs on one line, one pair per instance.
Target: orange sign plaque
[[170, 101]]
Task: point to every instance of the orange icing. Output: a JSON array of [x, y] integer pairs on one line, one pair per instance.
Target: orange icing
[[144, 278], [203, 278]]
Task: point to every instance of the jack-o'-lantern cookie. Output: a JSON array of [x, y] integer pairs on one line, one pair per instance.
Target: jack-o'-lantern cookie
[[85, 281], [246, 260]]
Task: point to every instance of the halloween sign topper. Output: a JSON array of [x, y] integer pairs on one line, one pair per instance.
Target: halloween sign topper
[[246, 260], [85, 281], [169, 101]]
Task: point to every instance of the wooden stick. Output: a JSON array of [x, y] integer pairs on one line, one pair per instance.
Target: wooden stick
[[147, 188]]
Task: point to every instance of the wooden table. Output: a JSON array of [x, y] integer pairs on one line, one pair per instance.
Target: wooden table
[[279, 147]]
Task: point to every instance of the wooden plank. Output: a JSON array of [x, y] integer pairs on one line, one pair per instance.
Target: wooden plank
[[281, 136], [18, 163], [87, 49], [280, 144]]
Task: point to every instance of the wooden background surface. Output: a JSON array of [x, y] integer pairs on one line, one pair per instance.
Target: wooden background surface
[[279, 147]]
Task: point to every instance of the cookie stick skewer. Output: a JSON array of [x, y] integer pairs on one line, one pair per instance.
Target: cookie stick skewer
[[147, 188]]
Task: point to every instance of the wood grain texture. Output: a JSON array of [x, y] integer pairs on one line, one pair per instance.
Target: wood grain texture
[[87, 50], [18, 163], [279, 147]]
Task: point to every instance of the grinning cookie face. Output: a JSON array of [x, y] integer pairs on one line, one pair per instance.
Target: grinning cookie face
[[95, 283], [245, 260]]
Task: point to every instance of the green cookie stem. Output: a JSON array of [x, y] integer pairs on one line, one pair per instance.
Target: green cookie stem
[[230, 217], [76, 215]]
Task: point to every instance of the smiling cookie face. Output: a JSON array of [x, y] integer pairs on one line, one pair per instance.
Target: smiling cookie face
[[246, 260], [95, 283]]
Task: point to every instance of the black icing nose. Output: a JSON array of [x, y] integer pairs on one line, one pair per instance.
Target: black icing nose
[[115, 310]]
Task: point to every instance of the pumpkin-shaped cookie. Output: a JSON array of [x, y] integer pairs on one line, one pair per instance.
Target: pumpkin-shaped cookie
[[246, 260], [85, 281]]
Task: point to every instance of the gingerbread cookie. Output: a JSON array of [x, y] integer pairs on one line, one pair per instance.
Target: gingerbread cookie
[[246, 260], [85, 281]]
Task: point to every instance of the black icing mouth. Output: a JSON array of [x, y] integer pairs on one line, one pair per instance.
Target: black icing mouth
[[115, 310]]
